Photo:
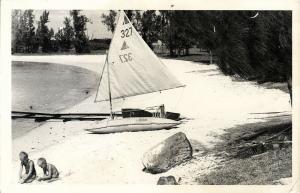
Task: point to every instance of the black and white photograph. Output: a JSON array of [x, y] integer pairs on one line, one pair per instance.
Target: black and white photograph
[[151, 96]]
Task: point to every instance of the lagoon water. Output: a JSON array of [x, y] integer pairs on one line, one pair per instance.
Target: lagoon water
[[45, 87]]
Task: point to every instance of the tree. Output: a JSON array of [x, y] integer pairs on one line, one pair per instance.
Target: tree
[[149, 27], [80, 38], [65, 35], [282, 38], [16, 33], [43, 33], [254, 45], [26, 32], [137, 21], [134, 16], [257, 44], [183, 30], [130, 14], [109, 20], [178, 30], [167, 35]]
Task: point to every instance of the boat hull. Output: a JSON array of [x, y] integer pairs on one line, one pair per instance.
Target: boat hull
[[133, 124]]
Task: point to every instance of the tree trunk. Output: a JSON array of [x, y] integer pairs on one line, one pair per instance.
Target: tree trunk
[[187, 51], [289, 84]]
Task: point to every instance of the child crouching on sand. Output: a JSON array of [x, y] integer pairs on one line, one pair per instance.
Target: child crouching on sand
[[50, 171], [30, 173]]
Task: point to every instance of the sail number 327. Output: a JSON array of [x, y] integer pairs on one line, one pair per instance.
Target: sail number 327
[[126, 32], [125, 57]]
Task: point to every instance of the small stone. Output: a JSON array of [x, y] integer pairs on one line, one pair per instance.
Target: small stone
[[169, 180], [276, 146]]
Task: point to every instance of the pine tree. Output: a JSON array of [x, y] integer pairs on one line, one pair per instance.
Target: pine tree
[[43, 33], [65, 35], [16, 33], [167, 35], [27, 32], [257, 44], [231, 48], [80, 38]]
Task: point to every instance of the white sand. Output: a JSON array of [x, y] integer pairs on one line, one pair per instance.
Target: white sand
[[211, 101]]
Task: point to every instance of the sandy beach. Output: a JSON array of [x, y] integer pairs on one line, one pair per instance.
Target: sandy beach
[[210, 103]]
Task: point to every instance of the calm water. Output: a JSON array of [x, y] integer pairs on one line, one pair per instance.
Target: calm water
[[44, 87]]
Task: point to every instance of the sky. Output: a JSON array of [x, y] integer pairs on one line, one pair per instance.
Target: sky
[[95, 29]]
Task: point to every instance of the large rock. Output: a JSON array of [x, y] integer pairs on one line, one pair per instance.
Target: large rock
[[167, 154]]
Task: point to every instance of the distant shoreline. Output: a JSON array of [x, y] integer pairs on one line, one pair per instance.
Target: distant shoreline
[[93, 52]]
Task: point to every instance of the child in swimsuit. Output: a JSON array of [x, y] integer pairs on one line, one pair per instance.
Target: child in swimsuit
[[30, 172], [50, 171]]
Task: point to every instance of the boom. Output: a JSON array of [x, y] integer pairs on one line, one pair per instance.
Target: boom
[[39, 117]]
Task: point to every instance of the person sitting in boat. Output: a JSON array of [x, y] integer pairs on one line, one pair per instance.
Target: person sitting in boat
[[50, 171], [30, 172]]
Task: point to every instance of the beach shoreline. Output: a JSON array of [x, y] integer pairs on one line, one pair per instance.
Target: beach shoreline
[[116, 158], [47, 87]]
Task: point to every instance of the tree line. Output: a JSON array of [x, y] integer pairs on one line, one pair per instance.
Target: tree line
[[251, 44], [26, 38], [255, 45]]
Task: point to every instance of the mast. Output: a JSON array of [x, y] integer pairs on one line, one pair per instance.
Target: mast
[[108, 79], [109, 91]]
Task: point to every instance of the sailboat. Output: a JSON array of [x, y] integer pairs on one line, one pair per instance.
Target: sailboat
[[131, 68]]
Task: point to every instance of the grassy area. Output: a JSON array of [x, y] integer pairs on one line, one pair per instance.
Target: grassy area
[[257, 170], [248, 163]]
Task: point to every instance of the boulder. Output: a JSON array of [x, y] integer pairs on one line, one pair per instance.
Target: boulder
[[169, 180], [169, 153]]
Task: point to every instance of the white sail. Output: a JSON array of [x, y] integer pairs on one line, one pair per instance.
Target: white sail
[[133, 67]]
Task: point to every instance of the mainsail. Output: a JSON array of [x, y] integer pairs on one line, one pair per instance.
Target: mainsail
[[133, 67]]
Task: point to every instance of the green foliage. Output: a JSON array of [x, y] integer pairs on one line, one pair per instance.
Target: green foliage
[[137, 20], [183, 30], [99, 44], [149, 27], [65, 36], [255, 48], [130, 14], [231, 47], [16, 35], [80, 38], [28, 31], [252, 47], [23, 32], [145, 22], [43, 34], [134, 16], [109, 20], [178, 31]]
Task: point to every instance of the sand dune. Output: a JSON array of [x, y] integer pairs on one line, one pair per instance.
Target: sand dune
[[211, 102]]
